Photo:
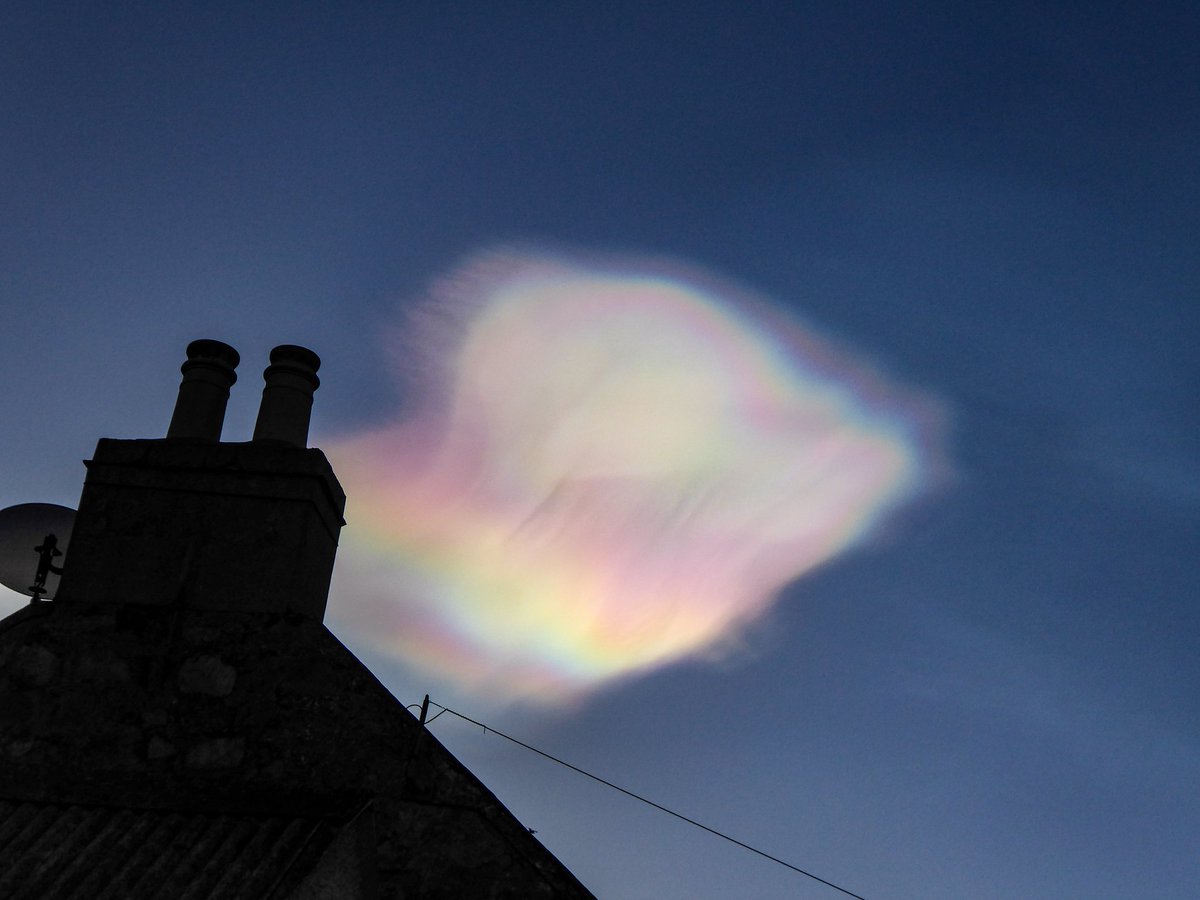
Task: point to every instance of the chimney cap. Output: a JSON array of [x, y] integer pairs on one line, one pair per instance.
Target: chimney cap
[[298, 359], [219, 351]]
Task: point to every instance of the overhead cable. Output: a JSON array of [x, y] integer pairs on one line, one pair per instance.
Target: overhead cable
[[648, 802]]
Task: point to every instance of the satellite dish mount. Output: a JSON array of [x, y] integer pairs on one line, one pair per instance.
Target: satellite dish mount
[[46, 551]]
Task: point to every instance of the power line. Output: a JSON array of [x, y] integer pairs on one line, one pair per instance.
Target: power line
[[629, 793]]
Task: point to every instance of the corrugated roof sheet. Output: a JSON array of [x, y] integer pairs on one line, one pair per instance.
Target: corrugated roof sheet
[[53, 852]]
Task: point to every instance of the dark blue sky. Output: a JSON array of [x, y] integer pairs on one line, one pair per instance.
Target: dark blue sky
[[998, 204]]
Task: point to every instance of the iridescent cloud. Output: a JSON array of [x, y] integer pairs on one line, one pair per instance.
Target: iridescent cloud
[[609, 467]]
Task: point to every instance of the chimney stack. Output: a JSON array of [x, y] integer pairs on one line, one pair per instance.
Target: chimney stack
[[191, 520], [287, 398], [208, 374]]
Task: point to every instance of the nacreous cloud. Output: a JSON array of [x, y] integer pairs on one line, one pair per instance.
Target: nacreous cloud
[[609, 467]]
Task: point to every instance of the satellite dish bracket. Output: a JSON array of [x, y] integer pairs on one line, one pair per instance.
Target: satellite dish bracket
[[46, 552]]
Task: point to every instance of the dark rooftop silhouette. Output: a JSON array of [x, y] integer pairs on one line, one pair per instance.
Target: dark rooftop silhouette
[[178, 722]]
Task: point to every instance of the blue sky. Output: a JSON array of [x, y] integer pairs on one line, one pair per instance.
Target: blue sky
[[995, 697]]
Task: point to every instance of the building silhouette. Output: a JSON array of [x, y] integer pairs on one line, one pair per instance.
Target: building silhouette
[[178, 723]]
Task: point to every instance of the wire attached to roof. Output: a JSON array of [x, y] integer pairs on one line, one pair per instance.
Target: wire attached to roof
[[648, 802]]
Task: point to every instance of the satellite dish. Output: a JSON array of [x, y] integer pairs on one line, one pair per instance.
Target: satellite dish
[[33, 544]]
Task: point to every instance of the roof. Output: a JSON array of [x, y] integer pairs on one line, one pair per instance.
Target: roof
[[102, 853], [254, 717]]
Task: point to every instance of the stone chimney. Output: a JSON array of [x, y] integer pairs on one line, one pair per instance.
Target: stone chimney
[[191, 521]]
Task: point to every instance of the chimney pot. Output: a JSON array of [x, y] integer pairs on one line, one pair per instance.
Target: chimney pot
[[287, 398], [208, 374]]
